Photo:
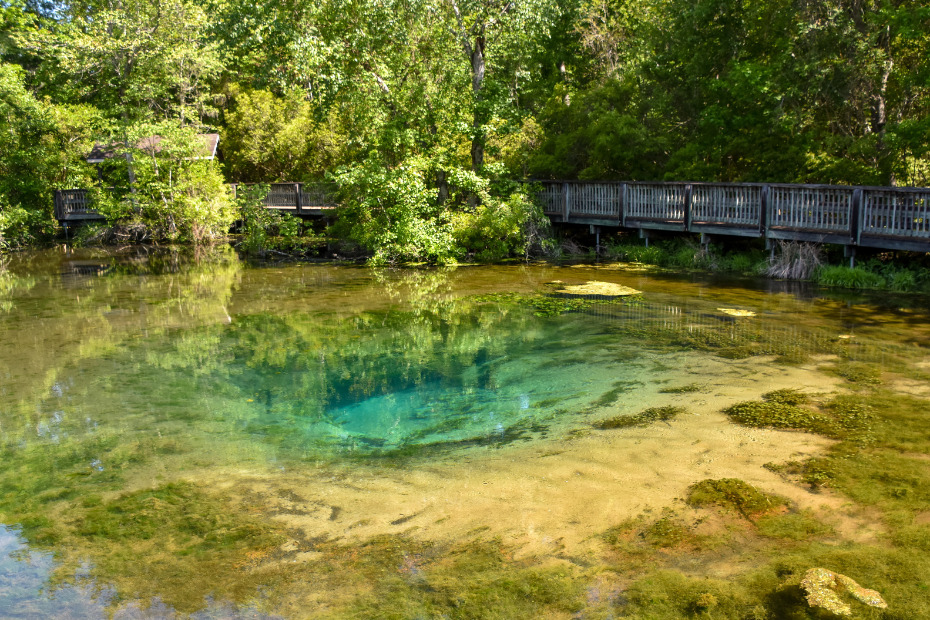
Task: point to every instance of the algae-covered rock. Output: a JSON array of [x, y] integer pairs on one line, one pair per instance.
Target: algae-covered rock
[[824, 586], [737, 312], [594, 288]]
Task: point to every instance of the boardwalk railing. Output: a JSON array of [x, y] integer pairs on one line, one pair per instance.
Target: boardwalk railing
[[74, 205], [301, 198], [881, 217]]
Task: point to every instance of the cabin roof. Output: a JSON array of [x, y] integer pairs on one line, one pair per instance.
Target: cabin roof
[[102, 152]]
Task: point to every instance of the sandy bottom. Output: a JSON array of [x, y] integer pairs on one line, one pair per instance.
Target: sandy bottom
[[556, 495]]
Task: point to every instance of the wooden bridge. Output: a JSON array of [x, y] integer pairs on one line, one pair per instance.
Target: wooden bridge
[[877, 217]]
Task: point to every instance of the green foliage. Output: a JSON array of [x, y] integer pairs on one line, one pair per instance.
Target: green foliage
[[875, 274], [267, 138], [394, 214], [643, 418], [39, 142], [266, 229], [498, 227], [734, 494], [848, 277]]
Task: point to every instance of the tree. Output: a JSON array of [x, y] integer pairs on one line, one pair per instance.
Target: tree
[[38, 145]]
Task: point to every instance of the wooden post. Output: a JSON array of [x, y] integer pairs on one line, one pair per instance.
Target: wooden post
[[688, 207], [850, 252], [856, 219], [565, 207], [764, 214], [298, 197], [623, 203]]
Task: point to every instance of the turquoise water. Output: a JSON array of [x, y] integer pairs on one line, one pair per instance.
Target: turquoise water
[[120, 375]]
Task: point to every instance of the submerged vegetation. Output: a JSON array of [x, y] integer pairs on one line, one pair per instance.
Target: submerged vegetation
[[647, 416]]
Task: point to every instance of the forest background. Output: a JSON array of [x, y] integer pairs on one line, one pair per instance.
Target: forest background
[[425, 114]]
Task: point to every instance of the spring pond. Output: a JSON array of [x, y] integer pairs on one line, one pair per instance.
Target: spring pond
[[185, 434]]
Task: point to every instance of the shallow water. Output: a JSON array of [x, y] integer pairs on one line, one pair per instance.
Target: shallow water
[[139, 393]]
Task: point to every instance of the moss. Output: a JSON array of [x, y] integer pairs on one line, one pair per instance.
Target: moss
[[681, 389], [800, 526], [857, 372], [778, 415], [395, 577], [667, 532], [648, 416], [734, 494], [158, 543], [787, 396]]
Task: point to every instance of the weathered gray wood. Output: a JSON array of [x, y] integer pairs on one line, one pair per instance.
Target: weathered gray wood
[[811, 208], [74, 205], [727, 205], [896, 213], [660, 202]]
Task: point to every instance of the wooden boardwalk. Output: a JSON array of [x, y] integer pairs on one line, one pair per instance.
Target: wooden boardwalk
[[874, 217]]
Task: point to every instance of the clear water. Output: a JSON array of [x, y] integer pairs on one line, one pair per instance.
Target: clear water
[[121, 374]]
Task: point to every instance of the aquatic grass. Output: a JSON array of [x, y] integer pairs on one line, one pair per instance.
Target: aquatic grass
[[643, 418], [158, 543], [799, 526], [613, 395], [857, 372], [770, 414], [681, 389], [396, 577], [667, 532], [736, 495], [553, 304], [772, 590], [787, 396]]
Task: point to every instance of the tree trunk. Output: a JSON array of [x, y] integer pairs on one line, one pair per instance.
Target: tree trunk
[[479, 119]]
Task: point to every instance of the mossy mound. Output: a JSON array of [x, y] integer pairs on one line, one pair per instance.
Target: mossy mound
[[648, 416], [844, 417], [734, 494], [787, 396], [774, 414]]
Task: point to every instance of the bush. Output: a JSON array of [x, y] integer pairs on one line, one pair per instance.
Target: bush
[[178, 196], [393, 213], [498, 228]]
